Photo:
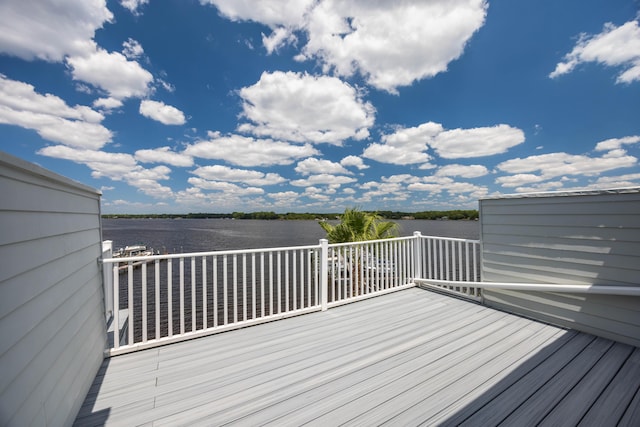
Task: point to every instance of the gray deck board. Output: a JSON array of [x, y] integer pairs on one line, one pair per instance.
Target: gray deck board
[[409, 358]]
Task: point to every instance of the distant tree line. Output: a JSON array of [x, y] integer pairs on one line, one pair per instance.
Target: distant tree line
[[388, 215]]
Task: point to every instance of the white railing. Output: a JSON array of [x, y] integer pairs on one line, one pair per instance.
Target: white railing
[[168, 298], [448, 264], [359, 270]]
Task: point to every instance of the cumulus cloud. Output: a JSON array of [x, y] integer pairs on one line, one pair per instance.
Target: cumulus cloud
[[52, 30], [438, 184], [391, 44], [312, 166], [617, 143], [325, 179], [354, 161], [50, 116], [159, 111], [476, 142], [132, 49], [303, 108], [117, 167], [247, 151], [164, 155], [613, 47], [405, 146], [408, 146], [548, 166], [111, 72], [273, 13], [107, 103], [225, 173], [463, 171], [133, 5], [228, 188]]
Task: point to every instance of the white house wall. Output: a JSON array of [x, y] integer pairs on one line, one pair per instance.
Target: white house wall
[[566, 238], [52, 332]]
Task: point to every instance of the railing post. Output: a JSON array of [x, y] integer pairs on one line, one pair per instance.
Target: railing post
[[324, 273], [107, 279], [417, 255]]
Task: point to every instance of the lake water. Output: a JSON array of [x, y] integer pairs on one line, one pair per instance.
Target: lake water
[[204, 235]]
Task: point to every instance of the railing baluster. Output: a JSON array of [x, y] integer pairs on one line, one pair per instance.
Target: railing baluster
[[295, 279], [262, 280], [225, 296], [216, 289], [130, 302], [204, 293], [244, 286], [157, 295], [144, 302], [234, 300], [279, 282], [116, 305], [193, 294], [286, 280], [271, 283], [169, 298], [253, 285], [182, 295]]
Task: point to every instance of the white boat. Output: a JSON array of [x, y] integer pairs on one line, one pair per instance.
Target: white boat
[[131, 251]]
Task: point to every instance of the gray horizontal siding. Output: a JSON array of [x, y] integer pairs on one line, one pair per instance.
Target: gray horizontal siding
[[52, 332], [591, 238]]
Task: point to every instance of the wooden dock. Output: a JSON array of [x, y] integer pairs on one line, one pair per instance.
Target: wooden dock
[[408, 358]]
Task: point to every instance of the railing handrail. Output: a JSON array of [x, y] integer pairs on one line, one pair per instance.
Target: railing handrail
[[450, 239], [543, 287], [209, 253], [365, 242]]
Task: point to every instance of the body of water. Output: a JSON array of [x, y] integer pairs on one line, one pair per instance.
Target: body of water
[[204, 235]]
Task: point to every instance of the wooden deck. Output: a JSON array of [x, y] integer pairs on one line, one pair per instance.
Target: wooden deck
[[409, 358]]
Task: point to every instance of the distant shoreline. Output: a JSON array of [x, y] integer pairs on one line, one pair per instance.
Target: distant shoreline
[[454, 215]]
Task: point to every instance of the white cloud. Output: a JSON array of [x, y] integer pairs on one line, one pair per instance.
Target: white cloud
[[405, 146], [273, 13], [132, 49], [354, 161], [408, 146], [159, 111], [302, 108], [312, 166], [279, 37], [227, 188], [250, 177], [391, 44], [107, 103], [133, 5], [111, 72], [617, 143], [613, 47], [326, 179], [476, 142], [246, 151], [463, 171], [438, 184], [50, 116], [548, 166], [117, 167], [164, 155], [50, 30]]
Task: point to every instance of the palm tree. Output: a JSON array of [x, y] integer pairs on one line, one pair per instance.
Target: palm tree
[[357, 226]]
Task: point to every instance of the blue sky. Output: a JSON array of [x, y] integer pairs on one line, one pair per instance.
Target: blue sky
[[313, 105]]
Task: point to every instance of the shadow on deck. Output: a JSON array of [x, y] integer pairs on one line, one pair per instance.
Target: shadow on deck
[[408, 358]]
